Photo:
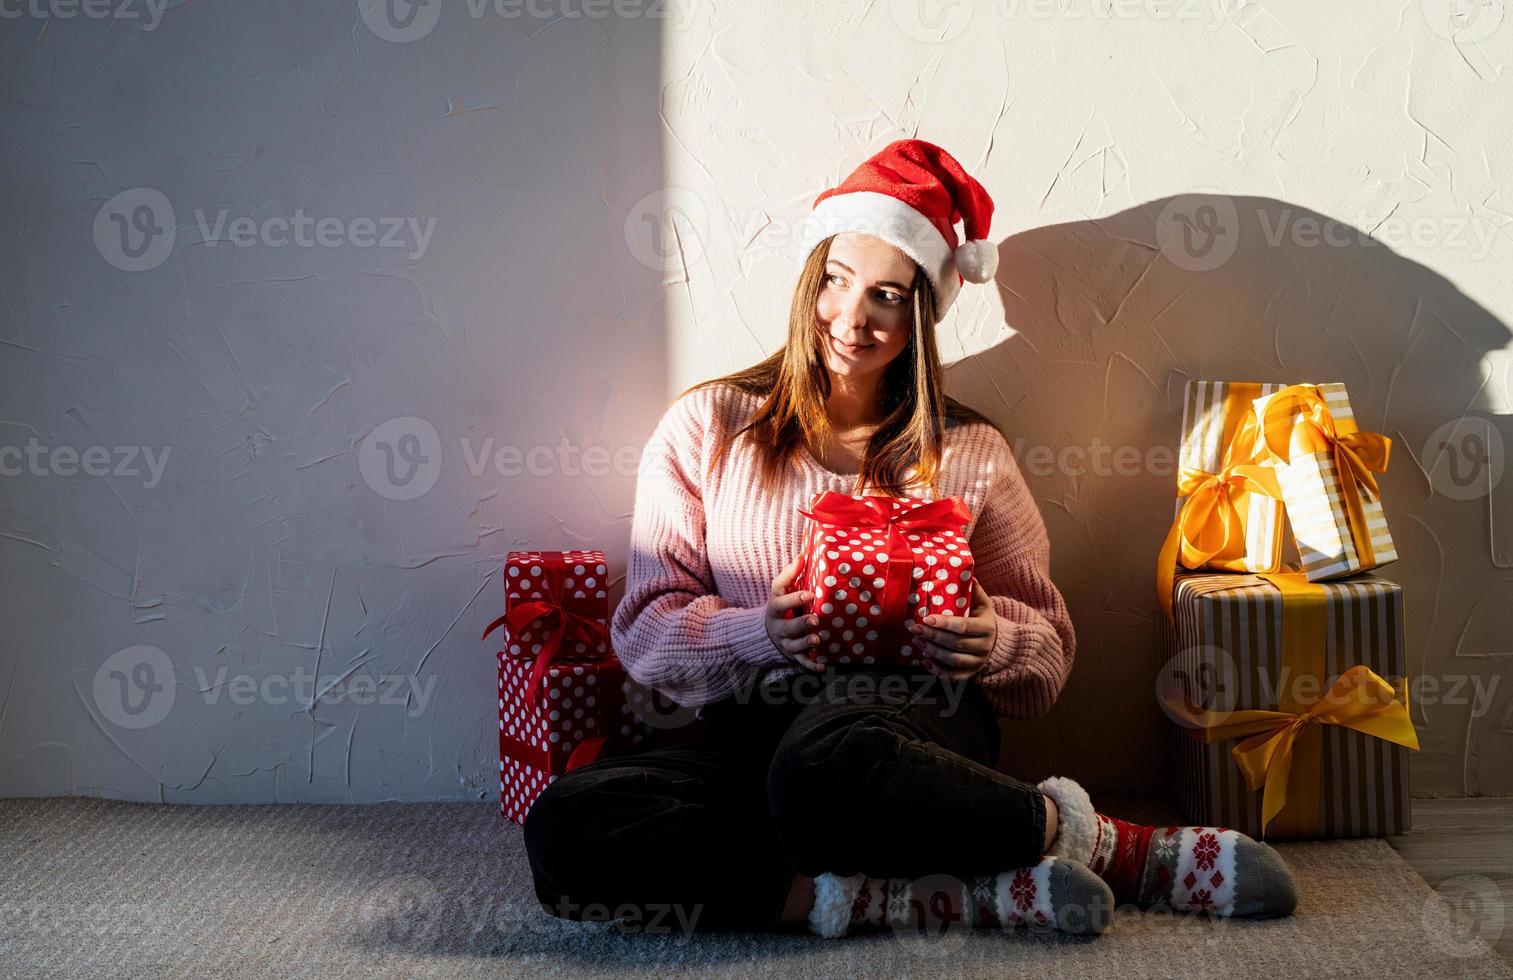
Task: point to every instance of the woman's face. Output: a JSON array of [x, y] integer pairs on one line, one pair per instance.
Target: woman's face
[[865, 303]]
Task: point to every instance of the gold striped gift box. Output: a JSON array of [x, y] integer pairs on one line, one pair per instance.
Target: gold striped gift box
[[1314, 492], [1224, 650], [1212, 412]]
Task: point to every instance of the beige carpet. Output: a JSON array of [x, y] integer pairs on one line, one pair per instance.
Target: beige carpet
[[92, 888]]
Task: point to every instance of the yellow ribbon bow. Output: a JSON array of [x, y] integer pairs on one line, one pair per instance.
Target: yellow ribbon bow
[[1359, 698], [1297, 420], [1209, 523]]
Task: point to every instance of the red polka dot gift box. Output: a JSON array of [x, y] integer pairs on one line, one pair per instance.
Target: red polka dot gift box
[[562, 692], [876, 563]]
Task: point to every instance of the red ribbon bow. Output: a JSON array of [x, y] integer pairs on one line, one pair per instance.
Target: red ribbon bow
[[559, 622], [947, 514]]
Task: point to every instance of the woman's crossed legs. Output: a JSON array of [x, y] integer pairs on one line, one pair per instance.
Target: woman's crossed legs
[[859, 773]]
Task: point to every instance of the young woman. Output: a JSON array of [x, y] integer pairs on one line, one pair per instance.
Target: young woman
[[821, 799]]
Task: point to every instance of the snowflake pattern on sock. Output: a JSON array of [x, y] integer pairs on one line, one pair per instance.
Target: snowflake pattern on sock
[[1024, 895], [983, 894], [863, 903], [1204, 876]]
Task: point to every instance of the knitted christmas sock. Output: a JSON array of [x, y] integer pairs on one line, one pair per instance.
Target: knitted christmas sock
[[1060, 894], [1191, 869]]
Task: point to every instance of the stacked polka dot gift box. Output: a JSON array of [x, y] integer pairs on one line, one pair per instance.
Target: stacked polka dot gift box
[[874, 563], [562, 691]]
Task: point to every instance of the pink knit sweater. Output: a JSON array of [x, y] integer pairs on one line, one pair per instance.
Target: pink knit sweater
[[703, 556]]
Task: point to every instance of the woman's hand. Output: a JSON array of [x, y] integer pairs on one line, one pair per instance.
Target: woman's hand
[[956, 647], [792, 636]]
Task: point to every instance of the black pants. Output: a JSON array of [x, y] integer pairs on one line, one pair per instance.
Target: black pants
[[867, 771]]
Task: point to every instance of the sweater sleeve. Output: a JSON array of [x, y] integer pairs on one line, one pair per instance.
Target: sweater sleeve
[[1035, 646], [671, 630]]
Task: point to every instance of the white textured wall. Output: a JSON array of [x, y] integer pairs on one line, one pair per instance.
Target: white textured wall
[[266, 549], [1099, 127], [614, 199]]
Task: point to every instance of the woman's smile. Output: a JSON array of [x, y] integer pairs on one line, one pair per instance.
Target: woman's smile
[[845, 348]]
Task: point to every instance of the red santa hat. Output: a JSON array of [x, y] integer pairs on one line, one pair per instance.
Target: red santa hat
[[911, 194]]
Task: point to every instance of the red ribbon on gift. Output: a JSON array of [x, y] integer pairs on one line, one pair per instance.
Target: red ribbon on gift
[[583, 753], [948, 514], [560, 623]]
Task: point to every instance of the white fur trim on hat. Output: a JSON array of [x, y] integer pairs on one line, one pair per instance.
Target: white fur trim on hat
[[977, 260], [830, 916], [1077, 830], [898, 224]]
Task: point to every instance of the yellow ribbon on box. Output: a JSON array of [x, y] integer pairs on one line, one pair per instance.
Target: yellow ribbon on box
[[1297, 420], [1210, 525], [1284, 750]]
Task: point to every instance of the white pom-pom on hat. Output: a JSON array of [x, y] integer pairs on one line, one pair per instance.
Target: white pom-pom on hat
[[977, 261]]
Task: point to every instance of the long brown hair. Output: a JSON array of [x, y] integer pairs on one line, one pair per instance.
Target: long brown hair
[[795, 384]]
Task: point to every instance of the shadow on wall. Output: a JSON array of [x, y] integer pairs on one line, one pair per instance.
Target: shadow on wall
[[1112, 317]]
